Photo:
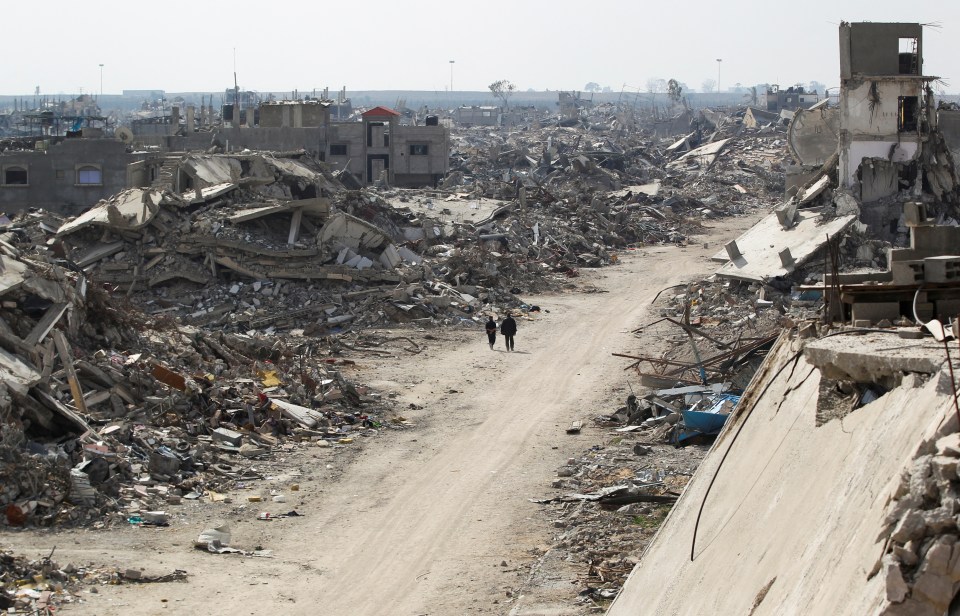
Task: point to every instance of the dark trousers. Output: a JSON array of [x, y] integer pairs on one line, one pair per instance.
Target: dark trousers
[[508, 338], [492, 337]]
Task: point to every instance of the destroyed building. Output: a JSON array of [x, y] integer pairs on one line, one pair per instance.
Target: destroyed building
[[833, 483], [791, 99], [478, 115], [889, 142]]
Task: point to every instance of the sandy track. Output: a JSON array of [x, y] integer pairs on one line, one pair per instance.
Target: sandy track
[[423, 520]]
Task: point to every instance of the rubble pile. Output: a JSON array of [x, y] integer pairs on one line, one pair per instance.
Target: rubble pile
[[921, 561], [41, 586], [107, 410], [614, 499], [174, 332]]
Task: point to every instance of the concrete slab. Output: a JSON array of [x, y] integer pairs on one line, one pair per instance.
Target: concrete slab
[[785, 517], [459, 207], [871, 357], [12, 274], [130, 209], [761, 246], [705, 155]]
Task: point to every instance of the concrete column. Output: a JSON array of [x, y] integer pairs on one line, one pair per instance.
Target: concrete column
[[191, 119], [733, 251], [786, 259]]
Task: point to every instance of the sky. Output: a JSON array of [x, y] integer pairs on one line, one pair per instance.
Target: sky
[[280, 46]]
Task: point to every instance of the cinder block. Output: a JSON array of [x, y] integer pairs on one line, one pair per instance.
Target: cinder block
[[875, 311], [945, 268], [915, 213], [907, 272]]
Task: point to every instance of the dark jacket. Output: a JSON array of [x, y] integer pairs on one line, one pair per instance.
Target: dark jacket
[[508, 327], [491, 326]]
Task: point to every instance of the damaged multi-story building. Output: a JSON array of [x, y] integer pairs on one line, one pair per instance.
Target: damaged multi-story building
[[888, 136]]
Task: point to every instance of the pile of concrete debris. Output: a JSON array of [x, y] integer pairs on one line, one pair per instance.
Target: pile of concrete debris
[[104, 409], [39, 586]]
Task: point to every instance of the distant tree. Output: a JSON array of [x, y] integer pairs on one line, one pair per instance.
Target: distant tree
[[593, 86], [709, 85], [503, 90], [607, 89], [656, 85]]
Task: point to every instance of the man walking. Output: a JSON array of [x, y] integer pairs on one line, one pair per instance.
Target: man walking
[[491, 331], [508, 327]]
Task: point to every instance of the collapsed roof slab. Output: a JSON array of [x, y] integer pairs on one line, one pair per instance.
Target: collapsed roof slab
[[762, 249], [318, 207], [129, 210], [874, 357], [798, 511], [704, 156]]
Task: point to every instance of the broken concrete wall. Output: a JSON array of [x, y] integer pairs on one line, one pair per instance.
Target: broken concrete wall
[[799, 511], [874, 48], [283, 139], [948, 122], [879, 178], [869, 113], [53, 176], [814, 134]]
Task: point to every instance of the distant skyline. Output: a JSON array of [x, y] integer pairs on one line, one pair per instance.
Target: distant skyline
[[558, 45]]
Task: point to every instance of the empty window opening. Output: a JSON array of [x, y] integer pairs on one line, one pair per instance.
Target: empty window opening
[[909, 57], [908, 108], [338, 149], [420, 149], [89, 176], [15, 175]]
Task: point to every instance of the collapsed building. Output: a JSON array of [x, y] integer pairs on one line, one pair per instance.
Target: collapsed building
[[832, 486]]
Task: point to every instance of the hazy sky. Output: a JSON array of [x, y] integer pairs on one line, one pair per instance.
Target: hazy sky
[[392, 45]]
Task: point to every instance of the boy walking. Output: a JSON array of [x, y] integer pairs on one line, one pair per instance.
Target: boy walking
[[491, 331]]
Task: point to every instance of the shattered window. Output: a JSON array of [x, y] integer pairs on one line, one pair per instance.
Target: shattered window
[[421, 149], [89, 175], [907, 112], [15, 175], [338, 149]]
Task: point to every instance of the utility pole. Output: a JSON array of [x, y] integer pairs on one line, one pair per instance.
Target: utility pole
[[719, 60]]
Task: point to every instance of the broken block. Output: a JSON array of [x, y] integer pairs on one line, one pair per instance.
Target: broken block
[[907, 272], [222, 435], [914, 213]]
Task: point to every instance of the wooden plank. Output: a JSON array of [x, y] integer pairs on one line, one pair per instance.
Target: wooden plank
[[63, 349], [45, 324]]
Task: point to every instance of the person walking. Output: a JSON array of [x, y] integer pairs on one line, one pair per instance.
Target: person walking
[[491, 331], [508, 327]]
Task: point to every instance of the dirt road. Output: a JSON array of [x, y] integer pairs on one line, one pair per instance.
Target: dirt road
[[433, 520]]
